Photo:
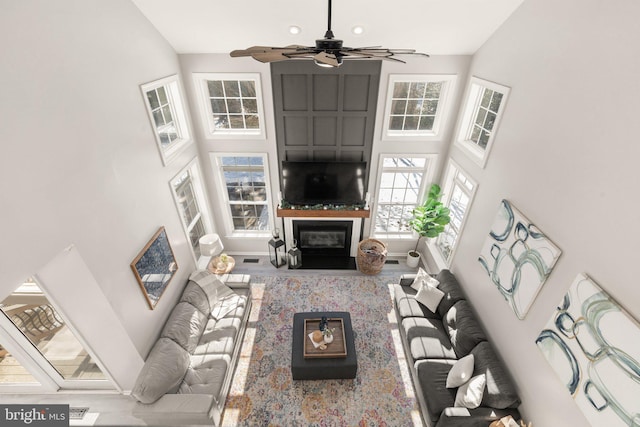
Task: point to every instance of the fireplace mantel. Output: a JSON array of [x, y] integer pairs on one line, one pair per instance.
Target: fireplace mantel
[[323, 213]]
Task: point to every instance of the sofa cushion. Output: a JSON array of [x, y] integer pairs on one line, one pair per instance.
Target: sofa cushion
[[500, 392], [206, 376], [185, 326], [230, 305], [406, 304], [194, 295], [427, 339], [219, 336], [463, 328], [432, 377], [452, 291], [212, 286], [162, 372]]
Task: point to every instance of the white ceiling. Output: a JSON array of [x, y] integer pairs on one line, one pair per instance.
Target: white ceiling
[[436, 27]]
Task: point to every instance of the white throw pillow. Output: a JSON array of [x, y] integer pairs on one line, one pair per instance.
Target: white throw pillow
[[429, 297], [470, 394], [460, 372], [225, 306], [421, 276]]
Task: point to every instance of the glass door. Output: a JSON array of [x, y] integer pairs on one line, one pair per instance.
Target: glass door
[[50, 344]]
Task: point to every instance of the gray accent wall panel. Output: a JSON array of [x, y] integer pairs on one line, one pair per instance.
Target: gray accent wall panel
[[325, 113]]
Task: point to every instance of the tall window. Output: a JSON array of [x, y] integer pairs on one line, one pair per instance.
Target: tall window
[[458, 194], [481, 115], [189, 197], [416, 104], [50, 352], [231, 105], [168, 118], [401, 184], [245, 191]]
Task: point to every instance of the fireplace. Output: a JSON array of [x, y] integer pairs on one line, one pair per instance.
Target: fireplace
[[324, 244]]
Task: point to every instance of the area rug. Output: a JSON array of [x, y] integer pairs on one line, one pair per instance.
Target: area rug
[[263, 392]]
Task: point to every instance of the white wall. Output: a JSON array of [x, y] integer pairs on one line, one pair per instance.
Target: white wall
[[566, 155], [79, 163]]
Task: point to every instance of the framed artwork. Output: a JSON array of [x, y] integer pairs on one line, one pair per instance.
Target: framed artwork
[[593, 345], [518, 258], [154, 267]]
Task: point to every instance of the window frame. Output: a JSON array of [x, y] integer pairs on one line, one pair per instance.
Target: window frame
[[223, 197], [442, 111], [427, 179], [197, 183], [468, 115], [448, 183], [173, 88], [206, 113]]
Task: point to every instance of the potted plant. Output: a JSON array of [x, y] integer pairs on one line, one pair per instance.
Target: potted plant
[[429, 220]]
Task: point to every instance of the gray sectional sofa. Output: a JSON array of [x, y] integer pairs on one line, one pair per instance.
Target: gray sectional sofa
[[435, 341], [187, 375]]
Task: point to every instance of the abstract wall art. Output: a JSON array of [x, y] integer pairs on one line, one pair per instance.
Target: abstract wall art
[[518, 258], [593, 345], [154, 267]]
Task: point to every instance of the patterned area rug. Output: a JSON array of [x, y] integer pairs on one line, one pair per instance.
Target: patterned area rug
[[263, 392]]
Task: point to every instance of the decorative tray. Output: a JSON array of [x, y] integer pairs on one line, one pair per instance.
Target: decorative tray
[[337, 348]]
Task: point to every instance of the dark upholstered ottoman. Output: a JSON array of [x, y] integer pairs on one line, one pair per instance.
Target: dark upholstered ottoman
[[322, 368]]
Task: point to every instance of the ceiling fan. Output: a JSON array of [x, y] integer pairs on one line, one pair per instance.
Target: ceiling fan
[[328, 52]]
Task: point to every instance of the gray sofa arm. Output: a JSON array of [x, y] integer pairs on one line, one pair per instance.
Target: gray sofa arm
[[478, 417], [407, 279], [238, 281], [177, 409]]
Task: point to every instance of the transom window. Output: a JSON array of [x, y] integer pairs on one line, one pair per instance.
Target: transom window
[[481, 115], [168, 118], [231, 104], [189, 197], [401, 184], [245, 191], [416, 104], [458, 193]]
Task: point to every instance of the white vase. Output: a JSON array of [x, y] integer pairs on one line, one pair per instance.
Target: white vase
[[328, 339], [413, 261]]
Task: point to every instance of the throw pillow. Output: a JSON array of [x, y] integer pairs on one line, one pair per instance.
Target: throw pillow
[[470, 394], [461, 372], [430, 297], [226, 305], [421, 276]]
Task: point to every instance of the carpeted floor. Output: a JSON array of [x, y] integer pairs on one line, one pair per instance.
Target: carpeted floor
[[263, 393]]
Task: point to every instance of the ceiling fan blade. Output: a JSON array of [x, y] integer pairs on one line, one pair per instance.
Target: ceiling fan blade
[[387, 56], [266, 49], [273, 56], [327, 58]]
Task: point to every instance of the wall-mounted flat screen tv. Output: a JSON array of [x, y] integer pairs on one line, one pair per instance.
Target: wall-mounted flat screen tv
[[310, 183]]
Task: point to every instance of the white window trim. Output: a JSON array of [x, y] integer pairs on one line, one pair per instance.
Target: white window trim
[[447, 183], [427, 180], [206, 114], [468, 115], [198, 187], [174, 93], [223, 197], [442, 113]]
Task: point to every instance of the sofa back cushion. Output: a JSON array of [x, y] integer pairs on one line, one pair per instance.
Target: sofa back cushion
[[463, 328], [185, 326], [500, 391], [452, 291], [162, 372], [195, 295], [212, 290]]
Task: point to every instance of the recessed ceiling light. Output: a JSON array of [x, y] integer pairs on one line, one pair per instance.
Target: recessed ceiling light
[[294, 29], [358, 29]]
